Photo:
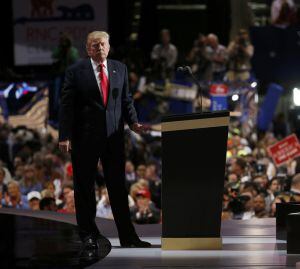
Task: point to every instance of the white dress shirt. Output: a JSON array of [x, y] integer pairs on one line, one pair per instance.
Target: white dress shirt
[[96, 69]]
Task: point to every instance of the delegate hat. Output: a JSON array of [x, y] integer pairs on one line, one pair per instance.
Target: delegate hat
[[34, 194], [145, 193]]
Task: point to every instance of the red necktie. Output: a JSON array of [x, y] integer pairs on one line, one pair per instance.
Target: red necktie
[[104, 83]]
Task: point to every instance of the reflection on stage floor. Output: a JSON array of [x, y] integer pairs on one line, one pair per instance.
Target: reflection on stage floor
[[31, 242], [49, 240]]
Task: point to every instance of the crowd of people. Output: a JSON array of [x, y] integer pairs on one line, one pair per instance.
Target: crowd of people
[[253, 183], [209, 60], [35, 175]]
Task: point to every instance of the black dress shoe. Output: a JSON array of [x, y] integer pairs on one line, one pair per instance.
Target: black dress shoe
[[134, 243], [90, 243]]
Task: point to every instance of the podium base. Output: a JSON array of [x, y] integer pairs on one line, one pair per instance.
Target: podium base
[[211, 243]]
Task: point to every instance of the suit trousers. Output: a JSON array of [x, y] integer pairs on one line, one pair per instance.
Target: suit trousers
[[86, 152]]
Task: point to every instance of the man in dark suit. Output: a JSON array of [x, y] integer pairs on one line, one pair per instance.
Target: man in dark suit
[[95, 101]]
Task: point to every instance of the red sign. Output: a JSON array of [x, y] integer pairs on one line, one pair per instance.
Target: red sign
[[219, 89], [285, 150]]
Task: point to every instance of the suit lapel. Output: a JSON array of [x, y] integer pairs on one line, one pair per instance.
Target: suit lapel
[[112, 79]]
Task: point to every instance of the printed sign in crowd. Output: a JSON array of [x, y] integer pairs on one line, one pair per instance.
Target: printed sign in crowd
[[285, 150]]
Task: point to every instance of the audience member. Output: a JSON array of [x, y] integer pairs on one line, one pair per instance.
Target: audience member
[[29, 181], [260, 206], [48, 204], [34, 198], [14, 198], [103, 207], [144, 211], [69, 206]]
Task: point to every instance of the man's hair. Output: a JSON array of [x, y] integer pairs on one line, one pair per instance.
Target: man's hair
[[13, 182], [45, 202], [295, 180], [96, 34], [165, 30], [68, 185], [241, 163]]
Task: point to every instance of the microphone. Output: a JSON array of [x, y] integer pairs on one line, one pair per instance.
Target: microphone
[[115, 93], [180, 69], [188, 70], [185, 69]]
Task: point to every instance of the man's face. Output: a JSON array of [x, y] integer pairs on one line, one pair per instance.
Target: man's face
[[19, 171], [34, 204], [129, 168], [141, 170], [275, 186], [70, 202], [212, 41], [29, 173], [66, 191], [98, 48], [17, 161], [259, 203], [142, 202], [261, 182], [51, 187], [165, 38], [233, 177], [52, 206], [13, 190]]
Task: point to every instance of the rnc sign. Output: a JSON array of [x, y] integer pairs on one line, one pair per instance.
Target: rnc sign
[[39, 23]]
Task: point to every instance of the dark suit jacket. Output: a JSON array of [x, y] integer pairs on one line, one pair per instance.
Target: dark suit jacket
[[82, 109]]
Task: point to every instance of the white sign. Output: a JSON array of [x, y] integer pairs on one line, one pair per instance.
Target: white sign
[[38, 24]]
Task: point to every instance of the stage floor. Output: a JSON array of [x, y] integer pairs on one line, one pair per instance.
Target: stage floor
[[246, 244], [238, 252]]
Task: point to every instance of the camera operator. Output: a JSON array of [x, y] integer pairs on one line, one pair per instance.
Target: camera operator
[[198, 58], [164, 56], [240, 53]]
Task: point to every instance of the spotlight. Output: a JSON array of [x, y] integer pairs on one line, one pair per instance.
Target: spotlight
[[235, 97], [296, 96], [254, 84]]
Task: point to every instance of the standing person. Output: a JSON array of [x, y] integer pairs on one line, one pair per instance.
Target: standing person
[[64, 55], [240, 52], [217, 54], [95, 101], [164, 56]]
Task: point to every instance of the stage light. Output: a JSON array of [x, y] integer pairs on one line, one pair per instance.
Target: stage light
[[235, 97], [253, 84], [296, 96]]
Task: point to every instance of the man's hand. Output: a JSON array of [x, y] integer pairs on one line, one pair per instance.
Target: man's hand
[[138, 128], [65, 146]]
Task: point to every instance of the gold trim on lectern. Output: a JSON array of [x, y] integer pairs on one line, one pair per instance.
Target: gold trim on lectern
[[194, 124], [214, 243]]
